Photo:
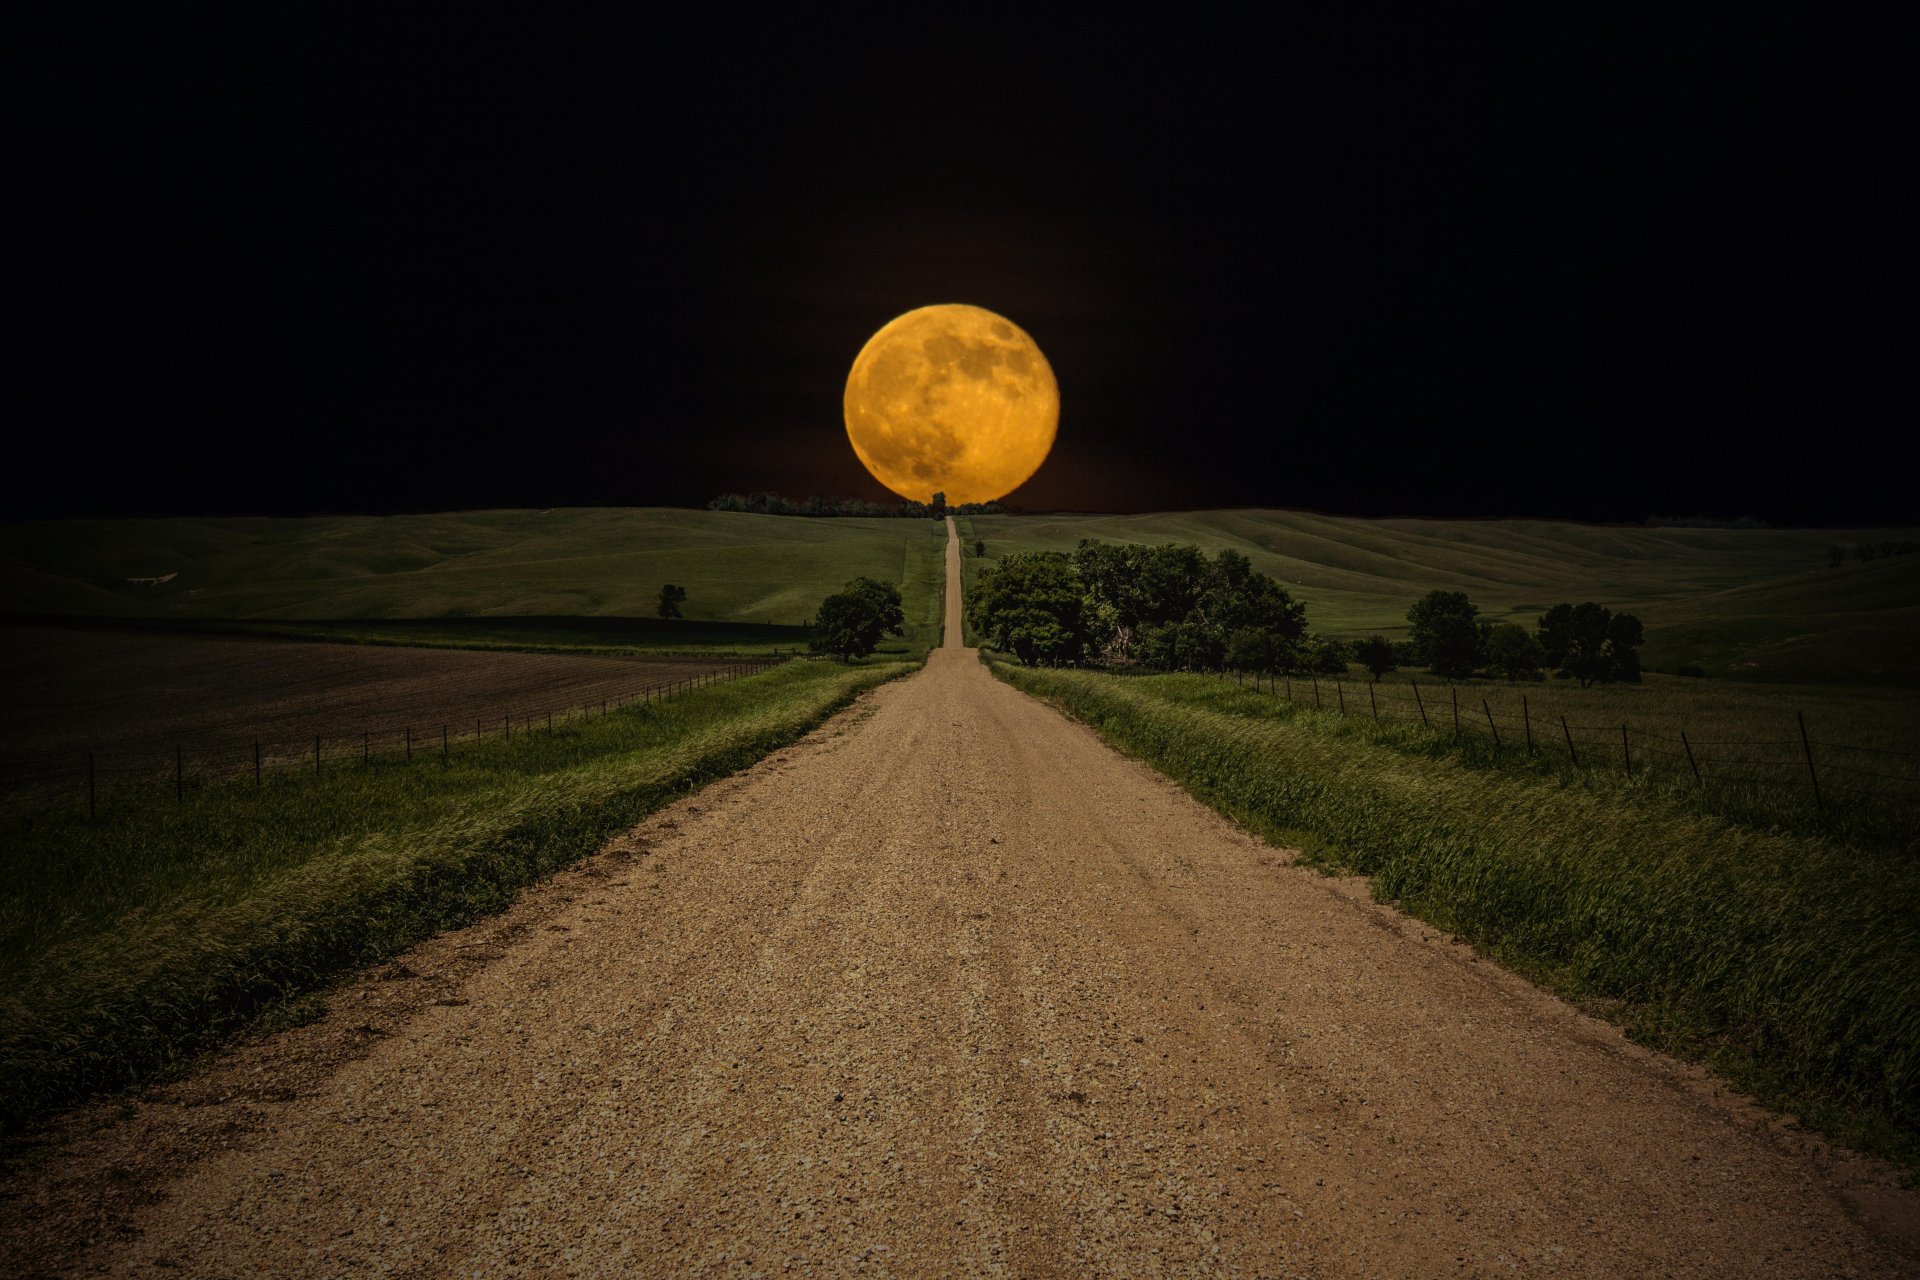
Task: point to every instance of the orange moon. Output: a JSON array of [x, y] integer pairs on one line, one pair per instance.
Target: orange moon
[[952, 399]]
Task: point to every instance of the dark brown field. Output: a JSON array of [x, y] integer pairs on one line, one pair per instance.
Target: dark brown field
[[130, 697]]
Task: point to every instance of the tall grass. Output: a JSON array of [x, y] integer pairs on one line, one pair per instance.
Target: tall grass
[[1785, 959], [131, 943]]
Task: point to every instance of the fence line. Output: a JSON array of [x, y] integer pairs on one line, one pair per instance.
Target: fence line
[[84, 777], [1801, 763]]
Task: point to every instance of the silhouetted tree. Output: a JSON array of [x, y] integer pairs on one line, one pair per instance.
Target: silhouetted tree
[[938, 507], [1556, 634], [671, 598], [1446, 634], [1514, 653], [1600, 644], [1376, 655]]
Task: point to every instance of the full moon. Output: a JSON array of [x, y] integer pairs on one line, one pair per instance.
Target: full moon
[[952, 399]]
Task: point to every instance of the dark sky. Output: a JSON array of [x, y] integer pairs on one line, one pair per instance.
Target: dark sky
[[344, 259]]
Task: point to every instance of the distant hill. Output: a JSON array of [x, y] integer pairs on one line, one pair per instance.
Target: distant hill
[[1753, 603], [594, 562]]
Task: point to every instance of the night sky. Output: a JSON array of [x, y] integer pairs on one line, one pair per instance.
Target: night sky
[[1595, 267]]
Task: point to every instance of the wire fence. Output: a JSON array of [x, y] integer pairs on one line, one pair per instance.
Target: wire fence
[[1826, 772], [40, 783]]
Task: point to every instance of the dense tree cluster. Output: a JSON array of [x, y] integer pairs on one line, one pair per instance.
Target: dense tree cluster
[[1865, 551], [1586, 642], [850, 623], [772, 504], [1591, 643], [1172, 607], [671, 598]]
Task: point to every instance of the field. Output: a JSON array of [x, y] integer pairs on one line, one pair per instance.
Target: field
[[1754, 604], [129, 942], [571, 578], [131, 699], [1780, 951]]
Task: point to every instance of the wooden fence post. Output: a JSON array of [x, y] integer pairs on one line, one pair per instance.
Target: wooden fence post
[[1373, 702], [1807, 746], [1626, 752], [1418, 702], [1526, 720], [443, 744], [1491, 725], [1691, 763], [409, 744], [1575, 755], [1316, 689], [1340, 691], [1455, 692], [366, 748]]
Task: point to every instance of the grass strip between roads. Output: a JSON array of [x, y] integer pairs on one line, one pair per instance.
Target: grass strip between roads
[[1786, 960], [130, 944]]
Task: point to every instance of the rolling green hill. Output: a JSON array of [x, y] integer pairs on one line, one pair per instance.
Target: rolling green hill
[[1754, 603], [598, 563]]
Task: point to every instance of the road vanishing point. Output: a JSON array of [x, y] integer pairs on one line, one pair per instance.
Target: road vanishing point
[[951, 988]]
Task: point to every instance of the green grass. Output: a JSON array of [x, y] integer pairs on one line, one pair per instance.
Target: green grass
[[559, 567], [129, 944], [1784, 958], [1757, 604]]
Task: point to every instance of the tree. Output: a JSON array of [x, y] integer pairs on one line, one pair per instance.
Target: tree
[[1376, 655], [1033, 605], [1624, 638], [1324, 656], [851, 622], [979, 548], [1256, 649], [1514, 653], [1556, 634], [1446, 634], [938, 507], [1600, 644], [671, 598], [1170, 606]]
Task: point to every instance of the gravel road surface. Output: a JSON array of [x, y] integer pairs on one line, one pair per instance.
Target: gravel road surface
[[950, 988]]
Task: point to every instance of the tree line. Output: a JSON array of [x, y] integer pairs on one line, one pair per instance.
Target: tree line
[[772, 504], [1175, 608], [1864, 551], [1587, 642]]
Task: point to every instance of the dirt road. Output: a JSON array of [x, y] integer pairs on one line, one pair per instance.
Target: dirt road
[[952, 989]]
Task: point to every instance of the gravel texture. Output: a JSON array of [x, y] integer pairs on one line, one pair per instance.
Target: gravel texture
[[948, 988]]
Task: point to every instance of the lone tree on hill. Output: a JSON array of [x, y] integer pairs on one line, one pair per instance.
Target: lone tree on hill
[[851, 622], [1446, 634], [671, 598], [1376, 655]]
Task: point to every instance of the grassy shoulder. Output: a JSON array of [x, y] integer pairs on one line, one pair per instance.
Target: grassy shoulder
[[1784, 959], [130, 944]]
